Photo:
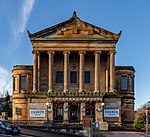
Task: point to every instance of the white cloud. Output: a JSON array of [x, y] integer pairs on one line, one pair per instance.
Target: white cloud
[[5, 82], [20, 23]]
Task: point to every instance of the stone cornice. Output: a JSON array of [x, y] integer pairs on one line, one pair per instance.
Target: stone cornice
[[124, 68], [77, 28], [23, 67]]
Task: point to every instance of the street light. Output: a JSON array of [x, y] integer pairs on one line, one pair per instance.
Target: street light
[[47, 104]]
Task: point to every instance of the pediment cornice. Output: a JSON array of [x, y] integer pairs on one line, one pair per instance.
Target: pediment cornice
[[74, 29]]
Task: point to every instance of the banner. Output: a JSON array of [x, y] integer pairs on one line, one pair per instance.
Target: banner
[[111, 112], [37, 113]]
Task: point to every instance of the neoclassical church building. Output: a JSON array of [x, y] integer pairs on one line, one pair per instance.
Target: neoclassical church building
[[73, 76]]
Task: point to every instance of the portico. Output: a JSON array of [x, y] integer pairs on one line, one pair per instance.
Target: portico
[[109, 73]]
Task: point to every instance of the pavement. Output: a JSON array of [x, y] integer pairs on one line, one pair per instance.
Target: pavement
[[122, 134], [39, 133]]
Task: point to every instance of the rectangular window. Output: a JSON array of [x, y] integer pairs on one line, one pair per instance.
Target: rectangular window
[[73, 77], [123, 82], [130, 83], [23, 83], [59, 77], [15, 83], [87, 77]]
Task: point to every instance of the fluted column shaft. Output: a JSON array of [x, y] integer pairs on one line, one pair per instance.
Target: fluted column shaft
[[34, 71], [81, 71], [66, 64], [112, 70], [50, 76], [97, 71]]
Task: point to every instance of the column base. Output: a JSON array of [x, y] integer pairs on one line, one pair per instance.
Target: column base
[[103, 126], [66, 90], [50, 90], [81, 91], [34, 90], [111, 90], [96, 91]]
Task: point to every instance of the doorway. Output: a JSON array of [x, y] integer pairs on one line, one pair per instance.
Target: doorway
[[58, 111], [90, 110], [74, 112]]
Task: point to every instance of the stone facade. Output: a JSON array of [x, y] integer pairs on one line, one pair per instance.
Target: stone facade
[[74, 75]]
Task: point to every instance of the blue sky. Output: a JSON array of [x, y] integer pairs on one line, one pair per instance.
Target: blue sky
[[132, 17]]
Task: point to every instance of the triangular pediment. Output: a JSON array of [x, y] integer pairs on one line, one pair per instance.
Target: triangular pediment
[[74, 28]]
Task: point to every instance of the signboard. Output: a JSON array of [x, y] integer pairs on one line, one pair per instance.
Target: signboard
[[65, 110], [83, 110], [111, 112], [37, 113], [97, 125], [49, 110]]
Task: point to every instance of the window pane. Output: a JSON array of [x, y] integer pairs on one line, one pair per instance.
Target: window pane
[[87, 77], [73, 77], [130, 83], [123, 82], [60, 77], [15, 83], [23, 82]]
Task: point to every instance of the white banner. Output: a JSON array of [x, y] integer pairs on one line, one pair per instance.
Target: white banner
[[111, 112], [37, 113]]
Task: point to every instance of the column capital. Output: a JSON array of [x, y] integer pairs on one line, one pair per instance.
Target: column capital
[[35, 52], [97, 52], [66, 52], [50, 52], [112, 52], [38, 52], [82, 52]]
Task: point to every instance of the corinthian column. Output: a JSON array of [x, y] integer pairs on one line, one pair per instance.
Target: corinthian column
[[81, 71], [97, 71], [50, 76], [66, 64], [34, 71], [112, 70]]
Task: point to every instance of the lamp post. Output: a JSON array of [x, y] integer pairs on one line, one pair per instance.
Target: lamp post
[[47, 104], [102, 104]]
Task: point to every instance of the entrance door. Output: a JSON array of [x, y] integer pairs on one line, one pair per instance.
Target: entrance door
[[74, 113], [90, 110], [58, 111]]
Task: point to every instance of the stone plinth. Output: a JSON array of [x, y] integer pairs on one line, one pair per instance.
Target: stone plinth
[[103, 126]]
